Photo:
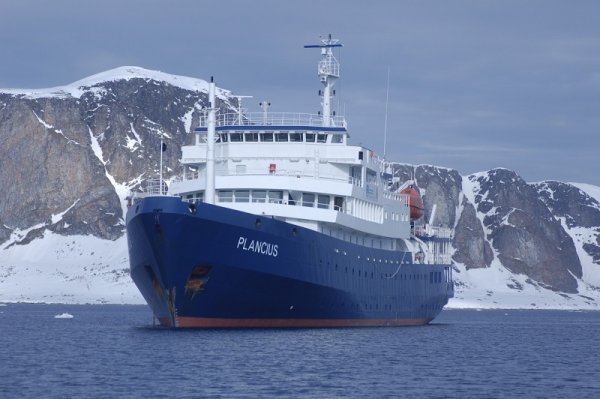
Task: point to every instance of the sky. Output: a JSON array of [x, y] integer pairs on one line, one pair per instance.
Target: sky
[[473, 84]]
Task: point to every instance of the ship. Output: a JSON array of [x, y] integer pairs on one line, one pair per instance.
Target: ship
[[278, 221]]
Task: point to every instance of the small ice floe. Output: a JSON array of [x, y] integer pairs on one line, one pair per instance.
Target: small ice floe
[[64, 316]]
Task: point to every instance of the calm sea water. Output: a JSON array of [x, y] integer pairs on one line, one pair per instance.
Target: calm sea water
[[113, 351]]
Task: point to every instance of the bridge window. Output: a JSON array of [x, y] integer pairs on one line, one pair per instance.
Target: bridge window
[[250, 137], [321, 138], [337, 138], [296, 137], [281, 137], [235, 137], [266, 137], [323, 201], [223, 137], [310, 137]]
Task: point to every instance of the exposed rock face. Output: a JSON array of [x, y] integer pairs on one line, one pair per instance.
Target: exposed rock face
[[71, 152], [506, 217], [578, 210], [47, 166], [472, 248], [526, 236], [443, 187]]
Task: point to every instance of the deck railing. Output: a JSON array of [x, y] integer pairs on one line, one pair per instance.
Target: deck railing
[[275, 119]]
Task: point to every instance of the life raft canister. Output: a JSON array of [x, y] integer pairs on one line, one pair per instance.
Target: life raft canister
[[415, 201]]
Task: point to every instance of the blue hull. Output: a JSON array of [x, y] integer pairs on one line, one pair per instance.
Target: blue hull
[[209, 266]]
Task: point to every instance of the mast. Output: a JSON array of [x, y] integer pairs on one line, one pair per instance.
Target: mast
[[209, 193], [387, 98], [240, 110], [329, 72]]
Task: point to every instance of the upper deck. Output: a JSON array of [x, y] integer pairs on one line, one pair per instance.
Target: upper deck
[[285, 121]]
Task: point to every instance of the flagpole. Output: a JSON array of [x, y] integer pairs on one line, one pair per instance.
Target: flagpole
[[161, 152]]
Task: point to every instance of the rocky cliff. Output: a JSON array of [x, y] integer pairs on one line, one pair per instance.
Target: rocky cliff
[[542, 236], [70, 154]]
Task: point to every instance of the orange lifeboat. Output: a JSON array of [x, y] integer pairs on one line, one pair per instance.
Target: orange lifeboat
[[415, 201]]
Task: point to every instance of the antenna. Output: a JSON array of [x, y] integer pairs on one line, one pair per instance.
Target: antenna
[[265, 107], [387, 97], [240, 110], [328, 71]]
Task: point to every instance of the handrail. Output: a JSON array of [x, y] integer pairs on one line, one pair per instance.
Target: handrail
[[275, 119], [193, 175]]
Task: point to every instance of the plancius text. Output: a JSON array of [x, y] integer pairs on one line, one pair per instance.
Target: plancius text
[[261, 247]]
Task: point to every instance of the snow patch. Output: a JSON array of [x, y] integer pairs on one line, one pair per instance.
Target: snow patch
[[96, 147], [133, 144], [497, 288], [18, 234], [57, 218], [187, 118], [591, 190], [80, 87], [67, 269]]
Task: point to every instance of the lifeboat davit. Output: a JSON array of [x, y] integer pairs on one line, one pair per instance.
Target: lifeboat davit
[[415, 201]]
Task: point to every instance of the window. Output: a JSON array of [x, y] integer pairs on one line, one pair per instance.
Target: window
[[259, 196], [250, 137], [323, 201], [281, 137], [310, 137], [322, 138], [235, 137], [276, 197], [296, 137], [223, 137], [225, 196], [337, 138], [308, 199], [242, 196], [266, 137]]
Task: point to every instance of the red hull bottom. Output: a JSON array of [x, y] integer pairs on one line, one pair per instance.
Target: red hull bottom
[[202, 322]]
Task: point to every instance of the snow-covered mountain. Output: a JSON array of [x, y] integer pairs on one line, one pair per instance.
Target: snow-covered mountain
[[517, 244], [70, 155]]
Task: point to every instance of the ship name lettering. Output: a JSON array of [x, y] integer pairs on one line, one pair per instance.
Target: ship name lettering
[[260, 247]]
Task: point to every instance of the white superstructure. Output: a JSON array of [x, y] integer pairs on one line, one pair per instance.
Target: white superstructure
[[296, 167]]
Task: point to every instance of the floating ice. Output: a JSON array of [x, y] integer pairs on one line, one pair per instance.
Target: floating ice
[[64, 316]]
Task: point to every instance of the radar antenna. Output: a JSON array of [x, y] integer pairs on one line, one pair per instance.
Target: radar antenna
[[329, 72]]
